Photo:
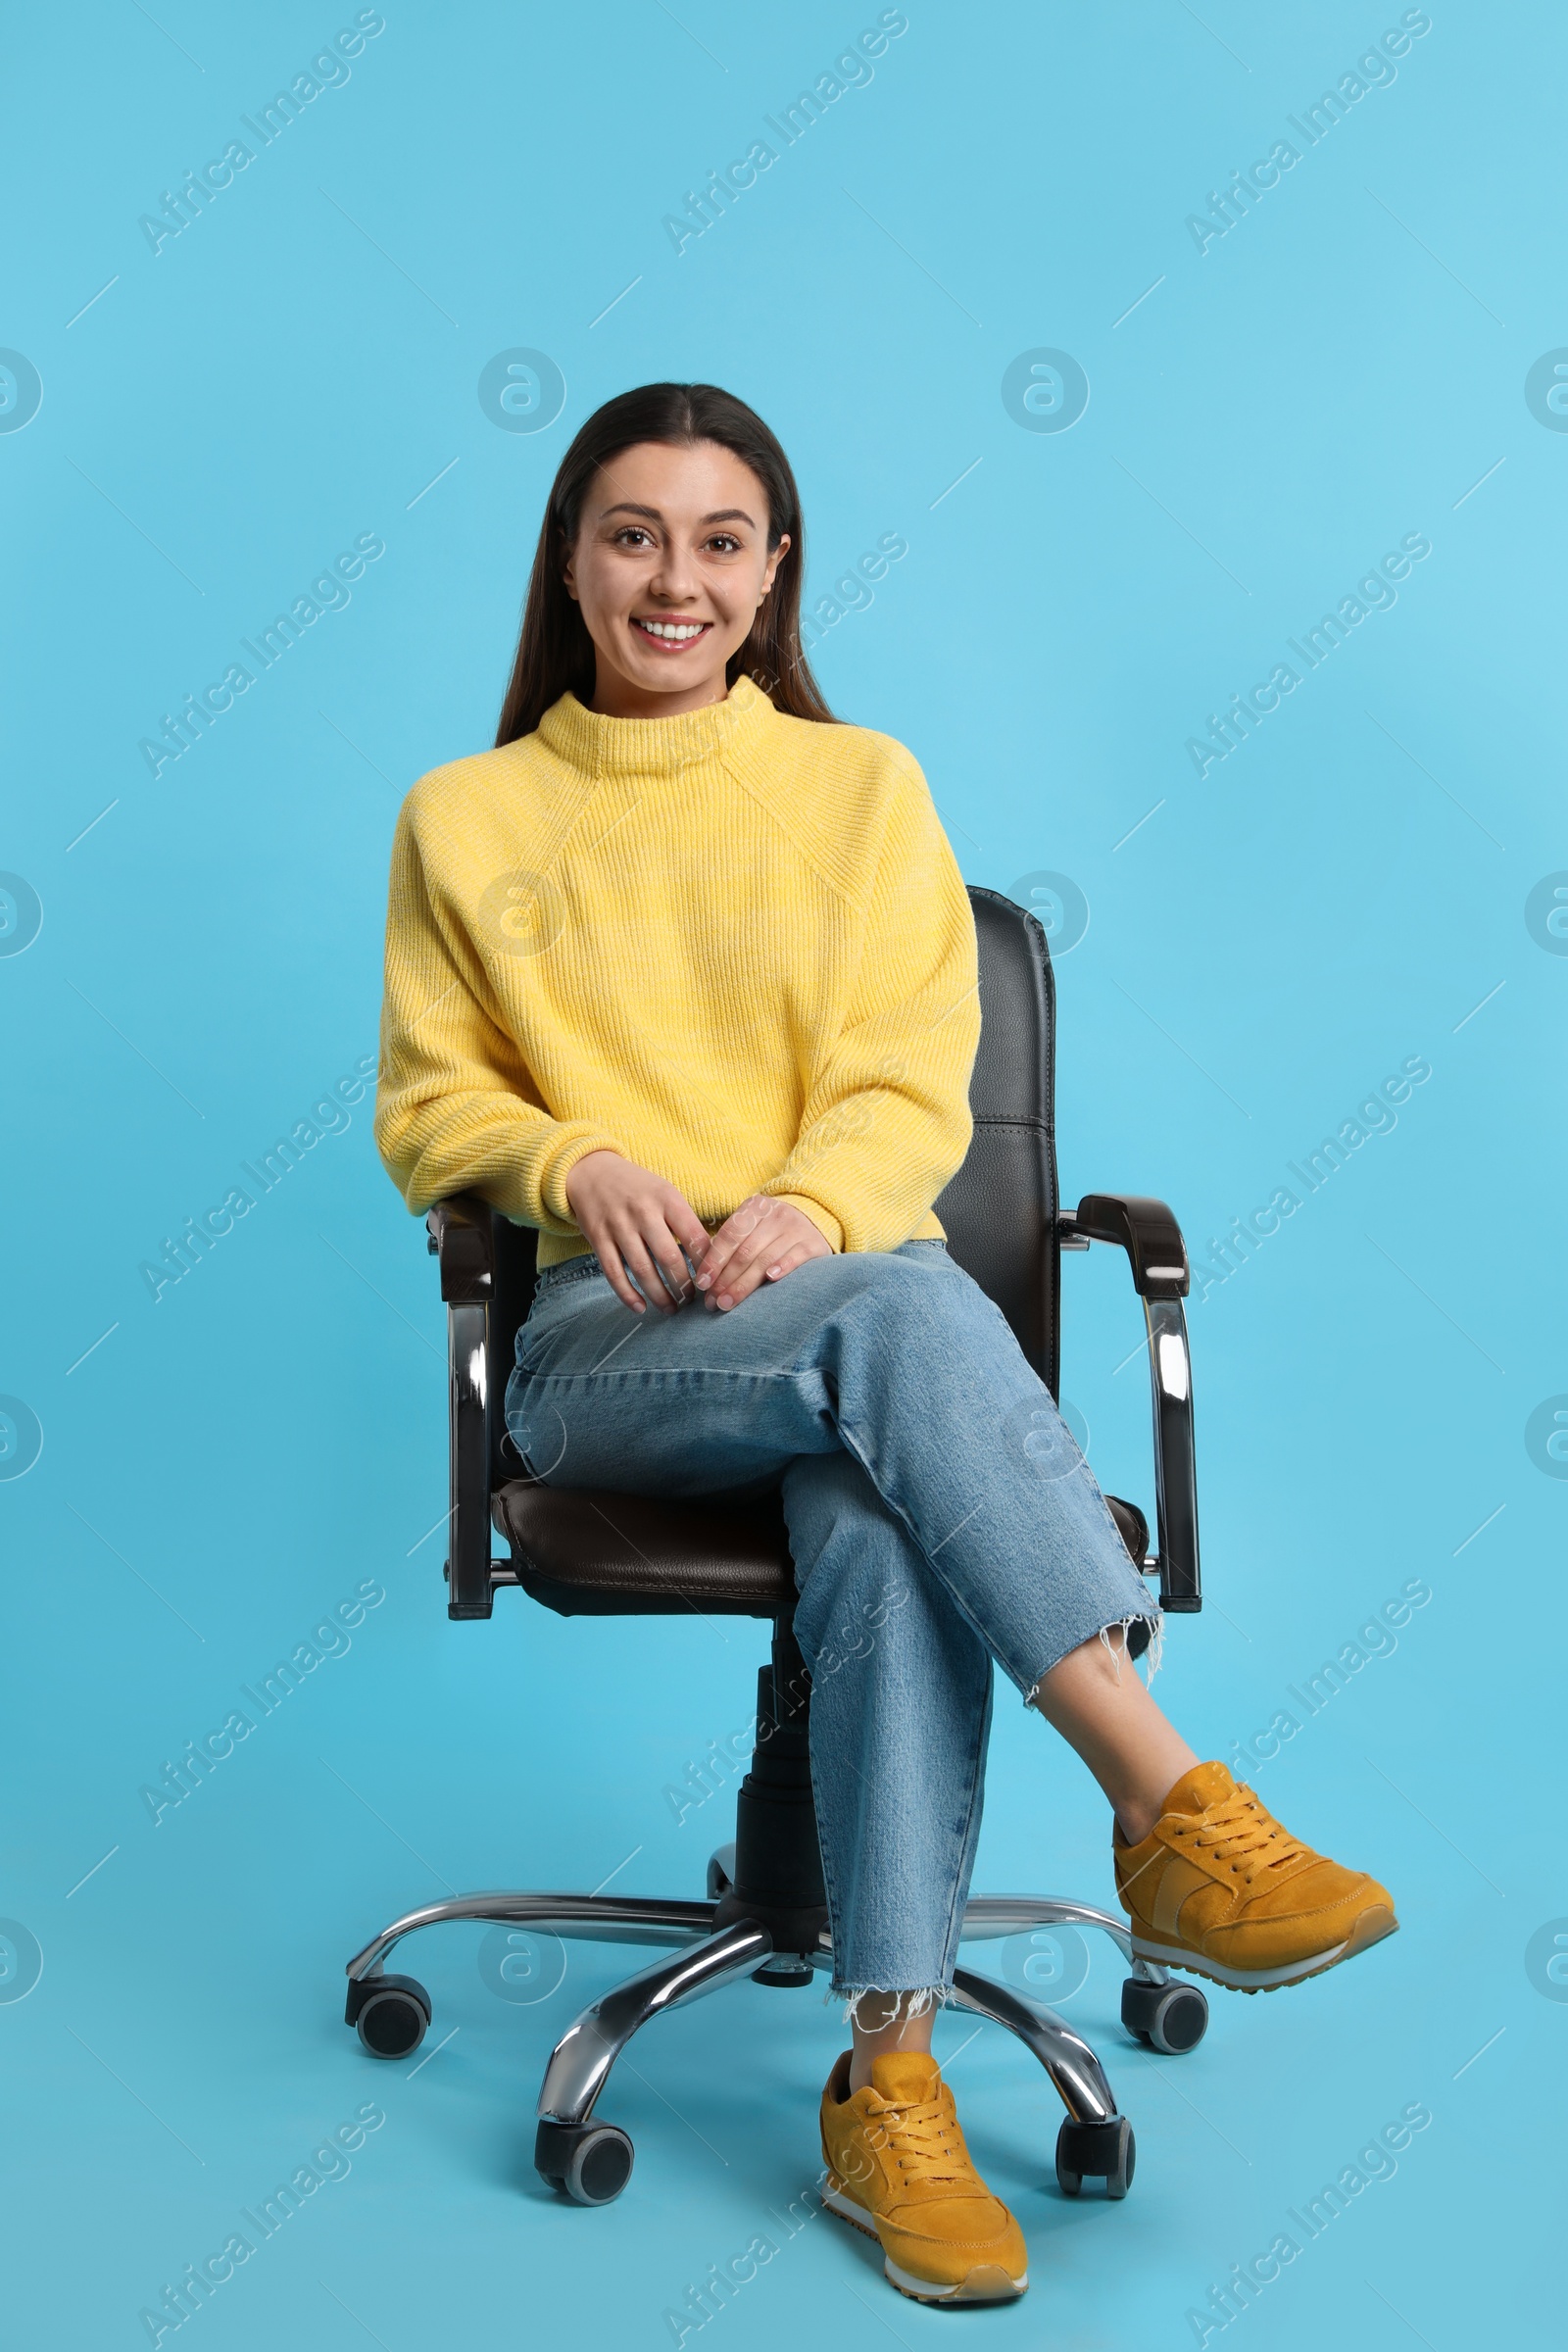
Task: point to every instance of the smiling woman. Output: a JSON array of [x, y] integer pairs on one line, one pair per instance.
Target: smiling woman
[[671, 583], [683, 974], [635, 556]]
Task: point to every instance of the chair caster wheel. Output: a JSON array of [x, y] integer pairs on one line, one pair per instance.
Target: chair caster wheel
[[720, 1872], [1172, 2018], [389, 2013], [1095, 2151], [589, 2163]]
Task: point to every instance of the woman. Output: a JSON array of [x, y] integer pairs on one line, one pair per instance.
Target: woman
[[683, 973]]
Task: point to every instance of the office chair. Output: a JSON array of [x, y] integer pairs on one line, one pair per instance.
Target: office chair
[[583, 1554]]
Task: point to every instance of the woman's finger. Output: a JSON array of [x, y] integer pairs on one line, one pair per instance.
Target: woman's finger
[[610, 1266], [666, 1251], [747, 1267], [635, 1254], [722, 1276], [735, 1230], [684, 1222], [794, 1256]]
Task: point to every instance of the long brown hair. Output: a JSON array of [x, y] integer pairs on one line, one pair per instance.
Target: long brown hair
[[555, 653]]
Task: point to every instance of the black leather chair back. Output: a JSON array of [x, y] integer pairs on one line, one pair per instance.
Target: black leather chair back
[[1000, 1210]]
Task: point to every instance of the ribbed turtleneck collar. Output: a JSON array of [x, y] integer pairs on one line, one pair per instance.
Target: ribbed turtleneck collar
[[653, 746]]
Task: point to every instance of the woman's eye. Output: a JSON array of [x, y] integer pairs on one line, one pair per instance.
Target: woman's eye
[[725, 544], [632, 534]]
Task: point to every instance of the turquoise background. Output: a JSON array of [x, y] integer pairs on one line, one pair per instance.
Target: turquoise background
[[1266, 417]]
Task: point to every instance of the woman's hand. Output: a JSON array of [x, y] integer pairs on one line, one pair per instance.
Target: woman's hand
[[761, 1241], [635, 1222]]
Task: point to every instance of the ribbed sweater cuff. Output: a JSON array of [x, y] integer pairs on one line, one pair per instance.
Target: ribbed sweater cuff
[[575, 1145], [826, 1223]]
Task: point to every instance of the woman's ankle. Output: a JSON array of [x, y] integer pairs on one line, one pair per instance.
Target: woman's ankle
[[1135, 1818], [883, 2022], [1138, 1810]]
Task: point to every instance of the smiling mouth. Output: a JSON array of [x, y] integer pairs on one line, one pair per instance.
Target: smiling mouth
[[670, 636]]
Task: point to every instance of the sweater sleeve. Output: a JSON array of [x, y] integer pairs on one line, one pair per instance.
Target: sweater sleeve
[[456, 1107], [885, 1124]]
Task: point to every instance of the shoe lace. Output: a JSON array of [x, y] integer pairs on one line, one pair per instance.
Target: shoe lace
[[1242, 1832], [921, 2134]]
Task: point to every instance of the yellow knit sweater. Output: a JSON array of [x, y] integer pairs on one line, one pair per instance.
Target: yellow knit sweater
[[734, 946]]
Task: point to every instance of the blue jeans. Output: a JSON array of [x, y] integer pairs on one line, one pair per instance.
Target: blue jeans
[[940, 1516]]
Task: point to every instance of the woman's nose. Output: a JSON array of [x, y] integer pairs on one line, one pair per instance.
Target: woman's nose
[[674, 577]]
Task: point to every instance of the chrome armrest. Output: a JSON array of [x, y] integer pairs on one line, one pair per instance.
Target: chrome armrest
[[1152, 1237], [461, 1238], [1170, 1367]]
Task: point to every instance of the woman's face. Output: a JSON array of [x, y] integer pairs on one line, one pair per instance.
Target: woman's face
[[670, 565]]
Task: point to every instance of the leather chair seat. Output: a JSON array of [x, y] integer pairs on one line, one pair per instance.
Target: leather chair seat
[[602, 1554]]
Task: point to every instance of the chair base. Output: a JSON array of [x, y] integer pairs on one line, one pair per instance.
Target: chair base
[[765, 1917], [723, 1939]]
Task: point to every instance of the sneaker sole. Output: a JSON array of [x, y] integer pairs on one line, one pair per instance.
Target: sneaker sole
[[1370, 1929], [987, 2283]]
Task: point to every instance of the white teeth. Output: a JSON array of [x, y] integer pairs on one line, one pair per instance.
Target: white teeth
[[679, 630]]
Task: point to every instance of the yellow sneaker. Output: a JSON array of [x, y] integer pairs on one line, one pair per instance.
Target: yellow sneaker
[[898, 2168], [1220, 1887]]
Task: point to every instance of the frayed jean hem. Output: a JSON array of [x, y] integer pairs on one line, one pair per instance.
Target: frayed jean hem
[[1114, 1650], [907, 2004]]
